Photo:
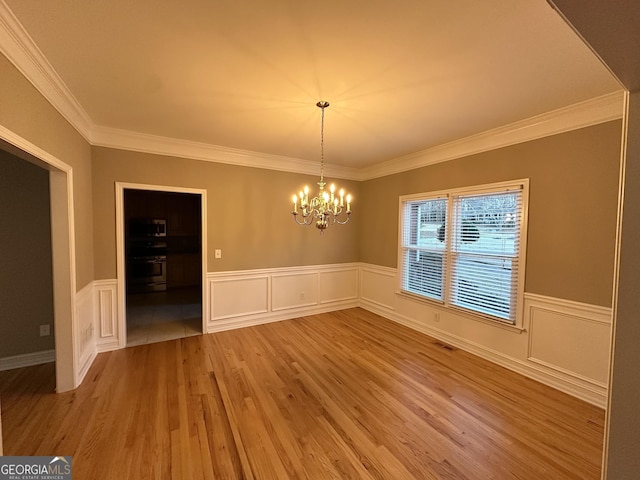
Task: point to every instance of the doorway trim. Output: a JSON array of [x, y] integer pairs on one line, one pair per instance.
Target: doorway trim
[[120, 250], [63, 253]]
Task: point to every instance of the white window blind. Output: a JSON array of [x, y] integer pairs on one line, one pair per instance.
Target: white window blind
[[424, 253], [463, 249], [485, 249]]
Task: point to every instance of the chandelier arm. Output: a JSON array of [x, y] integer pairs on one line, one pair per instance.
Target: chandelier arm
[[304, 219], [342, 223]]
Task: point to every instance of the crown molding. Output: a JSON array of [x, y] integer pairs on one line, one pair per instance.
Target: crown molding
[[146, 143], [18, 46], [584, 114]]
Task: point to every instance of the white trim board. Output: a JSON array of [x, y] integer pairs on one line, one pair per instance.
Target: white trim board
[[584, 114], [63, 248], [18, 46], [27, 360], [573, 117], [120, 250]]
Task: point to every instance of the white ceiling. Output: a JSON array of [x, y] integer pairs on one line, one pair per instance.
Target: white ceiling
[[401, 76]]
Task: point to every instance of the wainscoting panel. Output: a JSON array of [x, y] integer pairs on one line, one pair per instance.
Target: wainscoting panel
[[563, 344], [84, 331], [570, 338], [338, 285], [291, 290], [238, 296], [253, 297], [106, 308], [378, 285]]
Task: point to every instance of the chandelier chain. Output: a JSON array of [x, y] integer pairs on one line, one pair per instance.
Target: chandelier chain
[[322, 106]]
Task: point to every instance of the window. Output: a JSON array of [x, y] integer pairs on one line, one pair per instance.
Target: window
[[465, 248]]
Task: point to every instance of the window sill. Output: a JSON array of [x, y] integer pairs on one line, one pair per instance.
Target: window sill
[[463, 313]]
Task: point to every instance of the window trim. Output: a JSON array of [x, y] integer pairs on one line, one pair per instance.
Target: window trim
[[497, 187]]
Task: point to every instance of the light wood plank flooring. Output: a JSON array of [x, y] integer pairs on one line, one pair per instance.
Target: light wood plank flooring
[[339, 395]]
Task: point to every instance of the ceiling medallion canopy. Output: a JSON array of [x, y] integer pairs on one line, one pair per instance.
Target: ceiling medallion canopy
[[326, 207]]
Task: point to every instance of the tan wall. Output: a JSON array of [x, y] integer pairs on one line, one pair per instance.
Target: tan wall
[[28, 114], [248, 212], [572, 210], [26, 276]]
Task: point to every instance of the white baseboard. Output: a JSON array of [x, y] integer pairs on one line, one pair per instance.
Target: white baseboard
[[269, 317], [574, 385], [27, 360]]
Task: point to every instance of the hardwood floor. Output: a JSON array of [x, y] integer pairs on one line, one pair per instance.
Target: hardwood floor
[[339, 395]]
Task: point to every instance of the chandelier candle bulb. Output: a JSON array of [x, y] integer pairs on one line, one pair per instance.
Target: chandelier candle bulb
[[295, 203]]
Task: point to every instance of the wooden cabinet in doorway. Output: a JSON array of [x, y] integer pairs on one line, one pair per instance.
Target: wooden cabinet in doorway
[[183, 270]]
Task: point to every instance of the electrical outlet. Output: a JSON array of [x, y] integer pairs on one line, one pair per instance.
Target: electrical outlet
[[301, 295], [218, 253], [436, 317], [45, 330]]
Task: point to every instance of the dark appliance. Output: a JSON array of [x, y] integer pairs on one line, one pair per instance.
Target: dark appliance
[[147, 274], [147, 227], [146, 255]]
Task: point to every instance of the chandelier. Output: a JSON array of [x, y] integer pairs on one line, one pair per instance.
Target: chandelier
[[327, 207]]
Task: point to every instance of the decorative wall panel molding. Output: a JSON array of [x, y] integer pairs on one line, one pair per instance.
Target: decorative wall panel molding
[[238, 296], [106, 315], [570, 338], [84, 331], [338, 285], [378, 285], [252, 297], [564, 344]]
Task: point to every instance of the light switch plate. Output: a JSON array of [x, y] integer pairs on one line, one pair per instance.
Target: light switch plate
[[218, 253]]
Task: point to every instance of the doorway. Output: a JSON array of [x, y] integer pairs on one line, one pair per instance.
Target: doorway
[[163, 264], [26, 276], [63, 253]]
